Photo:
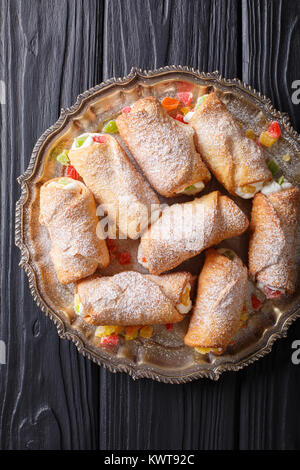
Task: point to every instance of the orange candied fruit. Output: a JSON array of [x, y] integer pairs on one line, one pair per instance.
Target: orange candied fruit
[[170, 103], [131, 332]]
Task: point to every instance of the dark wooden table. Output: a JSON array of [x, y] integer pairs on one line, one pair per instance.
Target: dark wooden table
[[50, 396]]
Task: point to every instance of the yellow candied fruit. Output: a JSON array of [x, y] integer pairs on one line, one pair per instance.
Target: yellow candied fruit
[[266, 140], [286, 157], [248, 189], [250, 134], [185, 298], [106, 330], [208, 350], [185, 109], [146, 332], [244, 316]]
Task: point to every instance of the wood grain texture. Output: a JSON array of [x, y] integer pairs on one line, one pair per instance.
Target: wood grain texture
[[50, 396]]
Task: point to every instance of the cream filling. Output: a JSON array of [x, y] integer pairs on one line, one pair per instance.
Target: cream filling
[[141, 256], [194, 188], [88, 141], [274, 187], [246, 194], [188, 116], [57, 184], [182, 308]]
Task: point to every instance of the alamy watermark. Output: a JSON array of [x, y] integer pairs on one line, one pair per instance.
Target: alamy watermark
[[296, 354], [177, 222], [296, 93], [2, 352], [2, 92]]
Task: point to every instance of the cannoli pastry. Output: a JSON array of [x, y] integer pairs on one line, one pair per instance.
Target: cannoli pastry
[[68, 210], [274, 220], [130, 298], [219, 303], [116, 184], [235, 160], [184, 230], [164, 148]]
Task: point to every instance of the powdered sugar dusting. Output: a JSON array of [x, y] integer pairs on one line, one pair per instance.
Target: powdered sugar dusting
[[127, 298], [220, 299], [116, 184], [234, 159], [163, 147], [272, 246], [184, 230], [70, 216]]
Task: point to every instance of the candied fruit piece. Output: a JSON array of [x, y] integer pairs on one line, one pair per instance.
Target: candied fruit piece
[[110, 127], [71, 172], [146, 331]]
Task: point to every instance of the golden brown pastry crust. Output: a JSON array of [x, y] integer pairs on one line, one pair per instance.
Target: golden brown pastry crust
[[232, 157], [116, 184], [70, 217], [185, 230], [130, 298], [273, 227], [162, 146], [219, 304]]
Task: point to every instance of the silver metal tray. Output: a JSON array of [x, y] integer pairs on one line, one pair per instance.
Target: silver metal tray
[[164, 357]]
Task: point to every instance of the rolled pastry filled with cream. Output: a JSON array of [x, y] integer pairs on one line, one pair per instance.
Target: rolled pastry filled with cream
[[185, 230], [220, 300], [116, 184], [163, 148], [274, 221], [235, 160], [130, 298], [68, 210]]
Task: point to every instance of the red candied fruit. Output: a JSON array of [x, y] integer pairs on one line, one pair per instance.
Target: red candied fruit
[[124, 257], [256, 303], [272, 294], [71, 172], [100, 139], [274, 130], [185, 97], [111, 340]]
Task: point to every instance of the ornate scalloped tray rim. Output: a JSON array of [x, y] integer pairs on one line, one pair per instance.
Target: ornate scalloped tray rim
[[64, 331]]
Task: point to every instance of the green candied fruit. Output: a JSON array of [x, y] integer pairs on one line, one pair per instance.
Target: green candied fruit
[[63, 158], [79, 141], [200, 101], [110, 127], [77, 308], [280, 180], [63, 181], [190, 189], [273, 167], [228, 254]]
